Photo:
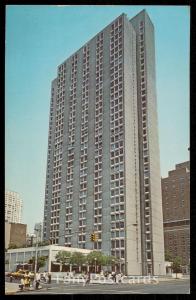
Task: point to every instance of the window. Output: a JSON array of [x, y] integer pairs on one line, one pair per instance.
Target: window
[[148, 255], [122, 243], [145, 159]]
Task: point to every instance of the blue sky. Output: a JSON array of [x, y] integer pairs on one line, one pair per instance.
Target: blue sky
[[38, 39]]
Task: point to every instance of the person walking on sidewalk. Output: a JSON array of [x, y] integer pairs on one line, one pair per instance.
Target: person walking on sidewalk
[[45, 277], [21, 285], [114, 276], [37, 280], [49, 278], [87, 279], [26, 281]]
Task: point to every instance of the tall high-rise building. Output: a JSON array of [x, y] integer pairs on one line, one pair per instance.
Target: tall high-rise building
[[38, 231], [103, 172], [176, 211], [13, 207]]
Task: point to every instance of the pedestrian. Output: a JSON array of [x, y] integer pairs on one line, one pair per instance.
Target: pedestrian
[[49, 278], [119, 278], [30, 281], [11, 278], [87, 279], [26, 281], [37, 280], [21, 285], [45, 276], [114, 276], [122, 277]]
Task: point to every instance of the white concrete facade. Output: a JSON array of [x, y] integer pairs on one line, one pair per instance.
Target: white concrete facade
[[22, 255], [103, 170]]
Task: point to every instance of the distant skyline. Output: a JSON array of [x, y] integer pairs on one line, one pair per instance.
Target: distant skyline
[[38, 39]]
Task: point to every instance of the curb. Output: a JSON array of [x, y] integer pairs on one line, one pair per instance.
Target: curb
[[18, 291]]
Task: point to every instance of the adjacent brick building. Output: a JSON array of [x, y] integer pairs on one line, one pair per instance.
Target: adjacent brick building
[[176, 211], [15, 234]]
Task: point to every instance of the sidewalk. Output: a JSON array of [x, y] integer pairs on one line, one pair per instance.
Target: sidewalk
[[11, 288], [170, 278]]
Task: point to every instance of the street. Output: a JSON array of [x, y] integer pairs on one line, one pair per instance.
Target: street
[[165, 287]]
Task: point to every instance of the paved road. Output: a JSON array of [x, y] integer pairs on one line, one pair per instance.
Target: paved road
[[169, 287]]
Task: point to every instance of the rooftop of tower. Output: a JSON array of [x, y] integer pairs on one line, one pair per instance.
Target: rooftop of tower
[[123, 14], [143, 12]]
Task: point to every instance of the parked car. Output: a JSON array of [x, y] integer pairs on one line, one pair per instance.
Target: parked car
[[18, 274]]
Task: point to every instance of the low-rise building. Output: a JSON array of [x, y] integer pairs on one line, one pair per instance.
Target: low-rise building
[[21, 256]]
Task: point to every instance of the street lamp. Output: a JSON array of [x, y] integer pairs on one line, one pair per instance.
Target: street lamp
[[36, 248], [113, 262], [120, 265]]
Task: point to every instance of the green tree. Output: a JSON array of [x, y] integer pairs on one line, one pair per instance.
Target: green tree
[[63, 257], [41, 261], [78, 259], [104, 260], [168, 256], [100, 259], [111, 260], [95, 255], [12, 246], [44, 243], [176, 265]]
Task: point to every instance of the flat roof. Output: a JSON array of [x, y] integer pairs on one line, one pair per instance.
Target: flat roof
[[49, 247]]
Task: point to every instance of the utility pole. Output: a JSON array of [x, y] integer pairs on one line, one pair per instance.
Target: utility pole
[[95, 265], [36, 248], [35, 270]]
